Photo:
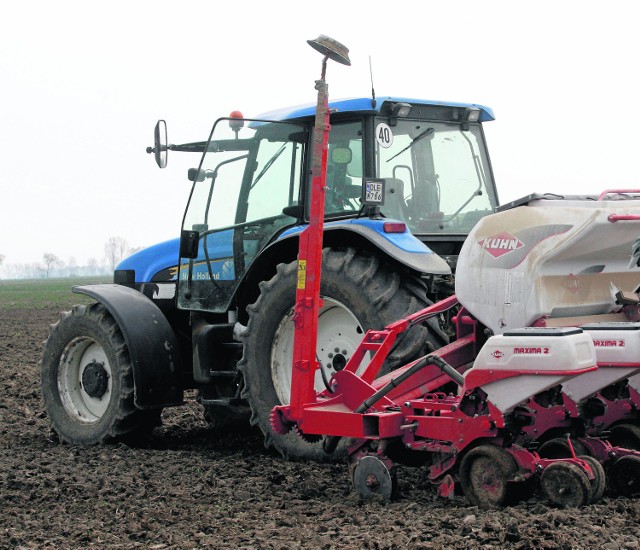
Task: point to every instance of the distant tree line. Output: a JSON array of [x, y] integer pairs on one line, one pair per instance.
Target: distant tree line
[[115, 250]]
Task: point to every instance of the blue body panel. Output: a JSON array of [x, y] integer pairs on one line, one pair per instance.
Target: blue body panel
[[149, 261], [364, 105], [220, 253]]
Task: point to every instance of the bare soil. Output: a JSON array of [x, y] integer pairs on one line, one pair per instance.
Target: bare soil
[[187, 487]]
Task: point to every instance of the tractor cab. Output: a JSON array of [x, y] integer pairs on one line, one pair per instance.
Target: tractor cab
[[426, 162]]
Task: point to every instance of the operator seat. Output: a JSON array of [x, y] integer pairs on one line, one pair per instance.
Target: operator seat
[[394, 204]]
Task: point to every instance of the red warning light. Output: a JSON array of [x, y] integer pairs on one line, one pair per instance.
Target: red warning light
[[236, 120]]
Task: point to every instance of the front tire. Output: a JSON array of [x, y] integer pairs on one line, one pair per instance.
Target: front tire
[[87, 380], [360, 293]]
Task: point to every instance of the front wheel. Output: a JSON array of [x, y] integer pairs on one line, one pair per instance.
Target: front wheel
[[359, 292], [87, 380]]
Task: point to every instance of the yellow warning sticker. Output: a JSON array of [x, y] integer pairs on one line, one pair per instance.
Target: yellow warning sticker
[[302, 274]]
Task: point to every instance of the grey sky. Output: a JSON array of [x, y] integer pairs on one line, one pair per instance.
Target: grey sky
[[82, 84]]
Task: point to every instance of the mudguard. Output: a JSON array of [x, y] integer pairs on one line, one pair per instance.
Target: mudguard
[[153, 347], [403, 247]]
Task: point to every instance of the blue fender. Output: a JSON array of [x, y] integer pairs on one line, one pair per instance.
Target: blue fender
[[153, 346], [404, 247]]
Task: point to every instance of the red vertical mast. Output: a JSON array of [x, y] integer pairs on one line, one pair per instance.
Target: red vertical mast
[[310, 249]]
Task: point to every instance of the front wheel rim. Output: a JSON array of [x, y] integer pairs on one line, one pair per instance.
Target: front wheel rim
[[84, 357], [339, 335]]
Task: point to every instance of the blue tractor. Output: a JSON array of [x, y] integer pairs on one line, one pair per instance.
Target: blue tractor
[[214, 309]]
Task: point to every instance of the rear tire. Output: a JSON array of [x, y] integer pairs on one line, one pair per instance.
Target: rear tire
[[360, 293], [87, 380]]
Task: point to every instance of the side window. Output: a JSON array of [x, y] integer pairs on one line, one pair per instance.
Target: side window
[[276, 180], [214, 200]]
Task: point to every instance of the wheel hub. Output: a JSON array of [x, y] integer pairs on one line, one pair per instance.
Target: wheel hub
[[339, 334], [338, 361], [95, 379]]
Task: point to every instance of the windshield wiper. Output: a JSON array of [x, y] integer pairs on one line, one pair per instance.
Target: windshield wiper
[[268, 165], [426, 133]]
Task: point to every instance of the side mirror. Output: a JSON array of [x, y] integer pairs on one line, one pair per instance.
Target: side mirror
[[341, 155], [195, 175], [160, 143], [160, 147]]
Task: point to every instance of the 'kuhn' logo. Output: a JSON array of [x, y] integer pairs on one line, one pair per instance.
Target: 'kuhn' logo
[[497, 354], [572, 283], [501, 244]]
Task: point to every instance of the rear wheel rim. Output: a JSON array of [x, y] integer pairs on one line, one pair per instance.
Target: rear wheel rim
[[339, 334], [82, 405]]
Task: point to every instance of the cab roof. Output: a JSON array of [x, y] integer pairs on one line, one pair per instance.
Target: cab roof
[[365, 105]]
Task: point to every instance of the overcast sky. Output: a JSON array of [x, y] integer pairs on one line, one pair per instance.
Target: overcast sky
[[82, 84]]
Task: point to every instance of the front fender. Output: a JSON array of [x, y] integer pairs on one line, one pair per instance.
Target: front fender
[[153, 347]]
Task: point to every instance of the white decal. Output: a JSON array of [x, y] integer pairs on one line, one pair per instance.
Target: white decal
[[384, 135]]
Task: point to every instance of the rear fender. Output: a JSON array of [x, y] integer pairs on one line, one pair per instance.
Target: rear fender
[[403, 247], [153, 347]]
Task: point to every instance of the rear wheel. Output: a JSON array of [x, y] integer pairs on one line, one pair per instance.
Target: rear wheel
[[87, 380], [359, 293]]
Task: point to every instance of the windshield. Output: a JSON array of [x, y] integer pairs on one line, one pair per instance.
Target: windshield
[[244, 182], [437, 176]]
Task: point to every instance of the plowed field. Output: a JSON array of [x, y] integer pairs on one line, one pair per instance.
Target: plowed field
[[187, 487]]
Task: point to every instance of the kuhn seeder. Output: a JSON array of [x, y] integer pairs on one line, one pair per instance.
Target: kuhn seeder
[[528, 374]]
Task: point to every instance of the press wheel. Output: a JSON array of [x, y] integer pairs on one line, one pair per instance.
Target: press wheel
[[599, 482], [625, 475], [485, 475], [558, 447], [626, 436], [566, 484]]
